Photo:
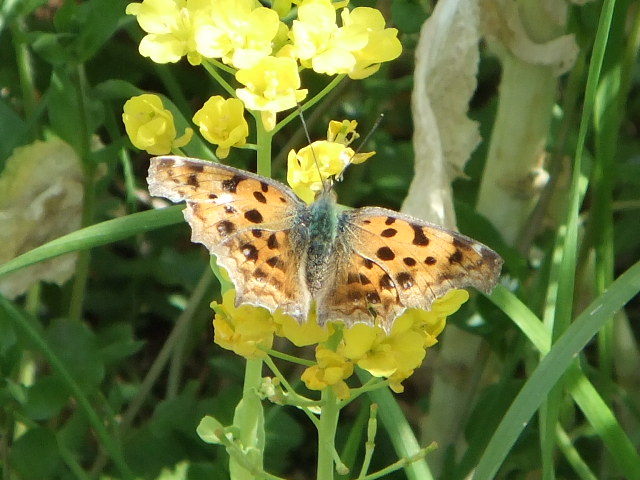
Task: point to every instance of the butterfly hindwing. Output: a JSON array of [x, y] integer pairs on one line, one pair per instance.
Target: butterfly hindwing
[[360, 292], [417, 260], [245, 221]]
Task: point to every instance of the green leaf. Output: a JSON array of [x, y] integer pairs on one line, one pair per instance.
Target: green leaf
[[53, 48], [77, 348], [45, 398], [115, 89], [35, 454], [12, 130], [116, 342], [101, 22]]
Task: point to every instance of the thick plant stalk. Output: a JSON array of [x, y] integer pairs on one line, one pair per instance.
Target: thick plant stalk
[[527, 38], [444, 137]]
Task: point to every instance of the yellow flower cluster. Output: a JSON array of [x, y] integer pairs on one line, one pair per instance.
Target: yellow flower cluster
[[311, 165], [249, 331], [265, 53]]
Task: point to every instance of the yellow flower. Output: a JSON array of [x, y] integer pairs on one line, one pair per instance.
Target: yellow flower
[[319, 42], [222, 123], [300, 334], [382, 44], [237, 32], [271, 85], [382, 355], [313, 164], [170, 27], [246, 330], [150, 126], [331, 371], [342, 132], [356, 48], [399, 353]]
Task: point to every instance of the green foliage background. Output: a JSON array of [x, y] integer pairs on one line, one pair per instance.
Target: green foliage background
[[109, 374]]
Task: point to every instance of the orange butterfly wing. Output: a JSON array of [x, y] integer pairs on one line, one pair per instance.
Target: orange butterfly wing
[[245, 221], [391, 261]]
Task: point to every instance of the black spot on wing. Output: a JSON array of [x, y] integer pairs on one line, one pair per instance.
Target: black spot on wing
[[386, 282], [409, 262], [272, 242], [192, 180], [225, 227], [385, 253], [419, 238], [276, 262], [373, 297], [405, 280], [456, 257], [249, 251], [231, 184], [254, 216]]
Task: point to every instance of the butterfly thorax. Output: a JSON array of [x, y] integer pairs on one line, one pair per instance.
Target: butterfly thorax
[[322, 231]]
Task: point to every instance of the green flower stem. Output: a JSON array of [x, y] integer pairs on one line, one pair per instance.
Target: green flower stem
[[372, 384], [264, 146], [400, 432], [310, 103], [372, 427], [402, 463], [29, 330], [299, 400], [290, 358], [209, 67], [222, 66], [249, 146], [327, 434], [89, 165]]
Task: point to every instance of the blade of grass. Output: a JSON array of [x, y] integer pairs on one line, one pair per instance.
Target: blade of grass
[[596, 411], [609, 111], [573, 457], [96, 235], [551, 368], [566, 268]]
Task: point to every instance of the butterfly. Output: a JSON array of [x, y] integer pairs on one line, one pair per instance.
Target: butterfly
[[365, 265]]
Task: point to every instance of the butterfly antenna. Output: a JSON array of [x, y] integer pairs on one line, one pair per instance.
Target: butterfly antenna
[[315, 159], [368, 136]]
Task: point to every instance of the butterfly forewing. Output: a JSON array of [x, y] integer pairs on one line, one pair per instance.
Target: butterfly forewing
[[415, 259], [245, 221]]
